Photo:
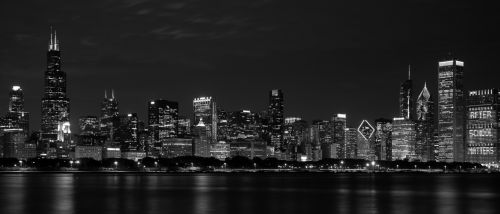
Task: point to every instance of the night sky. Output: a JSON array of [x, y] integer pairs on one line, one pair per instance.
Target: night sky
[[327, 56]]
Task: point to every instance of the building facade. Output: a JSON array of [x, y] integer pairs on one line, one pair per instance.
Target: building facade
[[276, 118], [55, 103], [206, 108], [483, 127], [403, 139], [424, 126], [451, 111]]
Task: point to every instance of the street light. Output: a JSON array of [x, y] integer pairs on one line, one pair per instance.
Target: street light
[[71, 163], [116, 164], [20, 163]]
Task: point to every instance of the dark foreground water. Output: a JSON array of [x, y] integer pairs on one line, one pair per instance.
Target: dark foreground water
[[249, 193]]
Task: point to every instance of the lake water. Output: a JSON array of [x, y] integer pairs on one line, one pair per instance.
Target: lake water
[[249, 193]]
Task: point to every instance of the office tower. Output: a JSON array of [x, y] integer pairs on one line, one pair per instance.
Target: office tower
[[89, 132], [55, 103], [403, 139], [339, 126], [201, 144], [127, 133], [241, 125], [13, 143], [109, 115], [206, 108], [222, 125], [351, 143], [383, 139], [483, 126], [89, 125], [163, 116], [365, 138], [424, 121], [451, 111], [276, 118], [184, 128], [16, 117], [321, 138], [294, 133], [406, 107], [177, 147]]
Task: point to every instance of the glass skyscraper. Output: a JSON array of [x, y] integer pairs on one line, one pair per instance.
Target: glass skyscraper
[[205, 108], [276, 118], [451, 111]]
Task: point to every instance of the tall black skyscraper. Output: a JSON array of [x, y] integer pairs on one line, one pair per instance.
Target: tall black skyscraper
[[109, 120], [451, 111], [55, 103], [406, 98], [276, 118]]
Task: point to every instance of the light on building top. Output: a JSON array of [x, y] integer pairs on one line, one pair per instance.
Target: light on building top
[[16, 88]]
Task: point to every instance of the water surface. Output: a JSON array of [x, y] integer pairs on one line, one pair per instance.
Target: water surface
[[287, 193]]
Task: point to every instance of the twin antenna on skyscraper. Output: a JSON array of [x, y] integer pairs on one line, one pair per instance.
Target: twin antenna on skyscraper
[[53, 43]]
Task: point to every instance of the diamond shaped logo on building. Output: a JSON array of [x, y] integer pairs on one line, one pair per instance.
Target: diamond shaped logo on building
[[366, 129]]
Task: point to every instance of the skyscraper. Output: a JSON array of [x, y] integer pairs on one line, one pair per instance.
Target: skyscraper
[[383, 139], [276, 118], [16, 116], [109, 115], [351, 142], [339, 139], [206, 108], [365, 138], [403, 139], [424, 123], [483, 126], [55, 103], [406, 106], [163, 119], [451, 111]]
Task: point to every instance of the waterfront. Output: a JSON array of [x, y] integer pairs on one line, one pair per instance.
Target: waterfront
[[248, 193]]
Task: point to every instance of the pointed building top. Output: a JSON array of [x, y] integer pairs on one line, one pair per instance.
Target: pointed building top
[[112, 94], [105, 94], [201, 122], [424, 93]]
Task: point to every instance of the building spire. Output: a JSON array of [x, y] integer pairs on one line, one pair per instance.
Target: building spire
[[56, 43], [105, 94], [409, 72], [51, 40], [112, 94]]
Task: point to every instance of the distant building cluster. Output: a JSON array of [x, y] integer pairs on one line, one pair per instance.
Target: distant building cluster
[[463, 126]]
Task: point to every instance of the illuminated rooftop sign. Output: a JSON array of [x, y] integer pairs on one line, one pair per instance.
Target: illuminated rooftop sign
[[342, 116], [366, 130], [16, 88], [450, 63]]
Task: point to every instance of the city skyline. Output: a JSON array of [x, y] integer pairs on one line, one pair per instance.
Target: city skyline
[[326, 68]]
